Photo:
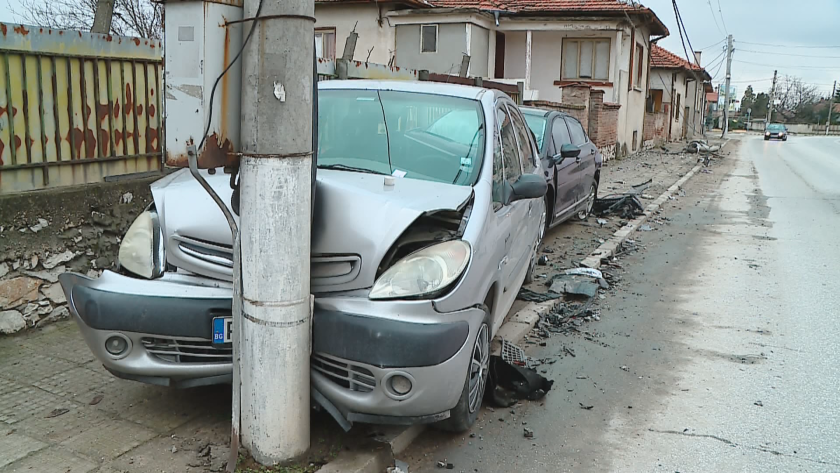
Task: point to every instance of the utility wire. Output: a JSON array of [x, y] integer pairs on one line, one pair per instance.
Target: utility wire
[[789, 46], [787, 54], [714, 17], [713, 45], [723, 20], [789, 67]]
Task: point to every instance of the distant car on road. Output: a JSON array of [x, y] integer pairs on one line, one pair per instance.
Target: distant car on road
[[570, 161], [776, 130]]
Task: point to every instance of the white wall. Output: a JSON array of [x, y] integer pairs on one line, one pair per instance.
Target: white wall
[[344, 17], [479, 50], [515, 54], [451, 47]]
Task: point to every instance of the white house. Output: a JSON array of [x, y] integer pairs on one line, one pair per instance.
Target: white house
[[678, 90], [546, 44]]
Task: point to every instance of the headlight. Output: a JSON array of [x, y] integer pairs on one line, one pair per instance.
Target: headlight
[[141, 251], [424, 272], [767, 133]]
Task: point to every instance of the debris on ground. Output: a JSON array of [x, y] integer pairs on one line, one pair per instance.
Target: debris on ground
[[591, 272], [645, 228], [533, 296], [508, 383], [701, 146], [528, 433], [570, 284], [582, 406], [543, 260], [627, 206], [444, 464]]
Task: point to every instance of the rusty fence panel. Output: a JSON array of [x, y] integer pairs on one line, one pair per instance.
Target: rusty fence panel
[[76, 107]]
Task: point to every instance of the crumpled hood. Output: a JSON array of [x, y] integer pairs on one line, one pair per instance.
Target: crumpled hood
[[357, 219]]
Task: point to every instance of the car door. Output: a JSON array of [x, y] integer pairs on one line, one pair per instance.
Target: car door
[[517, 211], [585, 163], [565, 180]]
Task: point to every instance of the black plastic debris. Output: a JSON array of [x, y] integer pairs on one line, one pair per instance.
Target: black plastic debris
[[533, 296], [509, 383], [627, 206], [543, 260]]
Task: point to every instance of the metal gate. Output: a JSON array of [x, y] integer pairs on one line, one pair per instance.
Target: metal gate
[[76, 107]]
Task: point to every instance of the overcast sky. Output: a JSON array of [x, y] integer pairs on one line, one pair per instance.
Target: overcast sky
[[803, 27]]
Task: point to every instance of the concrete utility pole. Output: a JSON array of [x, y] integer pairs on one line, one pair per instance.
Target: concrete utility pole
[[102, 17], [728, 79], [772, 99], [275, 225], [830, 107]]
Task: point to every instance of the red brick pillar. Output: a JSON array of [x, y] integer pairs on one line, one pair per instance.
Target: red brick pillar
[[596, 102], [578, 95]]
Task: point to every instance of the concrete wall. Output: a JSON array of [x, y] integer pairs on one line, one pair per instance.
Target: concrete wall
[[371, 34], [479, 51], [515, 55], [451, 46]]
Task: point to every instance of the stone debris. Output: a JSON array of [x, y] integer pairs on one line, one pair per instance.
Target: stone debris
[[42, 224], [58, 259], [11, 321], [18, 291], [54, 293], [4, 269], [50, 276], [126, 198]]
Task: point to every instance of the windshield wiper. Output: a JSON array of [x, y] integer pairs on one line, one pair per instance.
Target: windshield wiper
[[344, 167], [461, 168]]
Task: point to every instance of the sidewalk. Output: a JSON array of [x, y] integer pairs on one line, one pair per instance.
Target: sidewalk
[[60, 411]]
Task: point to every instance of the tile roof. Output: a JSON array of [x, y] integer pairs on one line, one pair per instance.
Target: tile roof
[[566, 7], [661, 58]]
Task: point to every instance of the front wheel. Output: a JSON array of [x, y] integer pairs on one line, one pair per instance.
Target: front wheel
[[464, 414], [590, 202]]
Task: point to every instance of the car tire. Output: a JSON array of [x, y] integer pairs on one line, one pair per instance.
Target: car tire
[[549, 215], [766, 139], [590, 202], [465, 413]]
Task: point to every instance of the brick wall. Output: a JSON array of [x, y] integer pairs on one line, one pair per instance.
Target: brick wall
[[656, 129], [577, 111]]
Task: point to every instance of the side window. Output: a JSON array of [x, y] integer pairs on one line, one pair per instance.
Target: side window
[[576, 132], [510, 148], [498, 167], [526, 150], [560, 134]]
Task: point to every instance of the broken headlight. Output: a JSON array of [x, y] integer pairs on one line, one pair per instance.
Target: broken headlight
[[141, 250], [423, 273]]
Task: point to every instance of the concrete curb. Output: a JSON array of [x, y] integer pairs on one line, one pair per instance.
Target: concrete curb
[[513, 330], [608, 248]]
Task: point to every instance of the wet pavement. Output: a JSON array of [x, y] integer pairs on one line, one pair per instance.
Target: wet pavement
[[717, 351]]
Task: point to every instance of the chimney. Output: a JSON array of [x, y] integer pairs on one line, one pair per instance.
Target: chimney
[[697, 55]]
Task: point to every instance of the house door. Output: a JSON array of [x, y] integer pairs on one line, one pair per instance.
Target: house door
[[685, 122], [499, 72]]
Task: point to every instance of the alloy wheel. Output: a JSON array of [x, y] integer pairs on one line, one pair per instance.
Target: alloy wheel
[[479, 367], [590, 203]]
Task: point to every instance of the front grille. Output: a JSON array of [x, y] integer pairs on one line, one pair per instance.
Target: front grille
[[174, 350], [354, 378]]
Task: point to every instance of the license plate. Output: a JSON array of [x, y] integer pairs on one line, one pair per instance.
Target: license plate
[[222, 329]]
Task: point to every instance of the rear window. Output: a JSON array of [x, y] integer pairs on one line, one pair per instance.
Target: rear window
[[412, 135], [537, 124]]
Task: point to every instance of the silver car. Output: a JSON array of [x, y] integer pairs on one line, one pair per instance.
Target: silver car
[[428, 214]]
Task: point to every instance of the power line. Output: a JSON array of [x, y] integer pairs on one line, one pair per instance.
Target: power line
[[714, 17], [788, 67], [789, 46], [722, 19], [712, 46], [787, 54], [715, 59], [683, 38]]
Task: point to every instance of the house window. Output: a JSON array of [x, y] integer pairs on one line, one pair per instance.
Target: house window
[[677, 108], [586, 59], [428, 38], [325, 43], [640, 55], [655, 101]]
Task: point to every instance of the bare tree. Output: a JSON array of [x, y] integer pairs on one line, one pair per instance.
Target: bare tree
[[142, 18], [793, 94]]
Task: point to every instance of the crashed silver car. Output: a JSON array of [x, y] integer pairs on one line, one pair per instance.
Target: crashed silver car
[[428, 214]]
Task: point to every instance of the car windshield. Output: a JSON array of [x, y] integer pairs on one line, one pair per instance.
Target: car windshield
[[537, 124], [405, 134], [775, 127]]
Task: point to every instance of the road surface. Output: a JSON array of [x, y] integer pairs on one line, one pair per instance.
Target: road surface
[[720, 351]]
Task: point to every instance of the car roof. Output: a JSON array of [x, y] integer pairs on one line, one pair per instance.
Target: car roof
[[436, 88], [541, 112]]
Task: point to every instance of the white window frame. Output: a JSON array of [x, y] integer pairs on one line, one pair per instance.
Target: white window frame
[[639, 67], [594, 41], [322, 32], [437, 33]]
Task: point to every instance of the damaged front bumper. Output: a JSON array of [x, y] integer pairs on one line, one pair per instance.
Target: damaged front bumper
[[398, 362]]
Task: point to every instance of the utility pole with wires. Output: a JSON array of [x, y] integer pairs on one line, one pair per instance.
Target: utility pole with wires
[[830, 107], [728, 81], [772, 99], [275, 228]]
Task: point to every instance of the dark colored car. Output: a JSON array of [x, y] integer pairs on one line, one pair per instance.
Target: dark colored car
[[776, 130], [570, 161]]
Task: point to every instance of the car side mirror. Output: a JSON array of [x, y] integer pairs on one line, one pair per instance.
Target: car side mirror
[[528, 186], [566, 151]]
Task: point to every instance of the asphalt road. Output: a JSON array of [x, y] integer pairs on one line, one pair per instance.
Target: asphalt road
[[719, 352]]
